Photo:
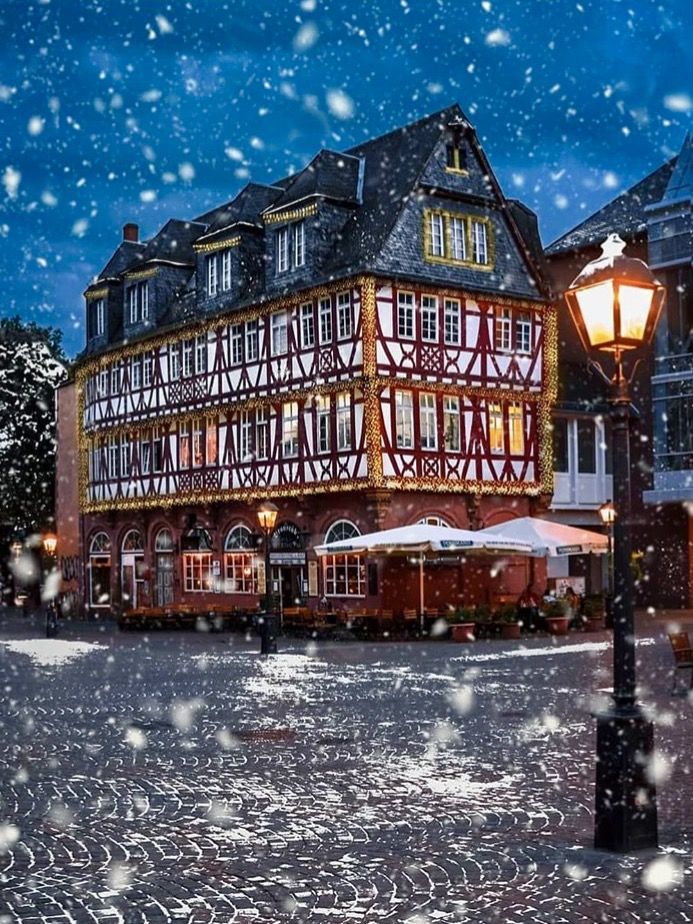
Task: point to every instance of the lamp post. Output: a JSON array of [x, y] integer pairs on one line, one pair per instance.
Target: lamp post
[[50, 546], [615, 303], [607, 512], [267, 517]]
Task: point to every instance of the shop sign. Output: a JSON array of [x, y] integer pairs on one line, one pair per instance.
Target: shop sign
[[288, 558]]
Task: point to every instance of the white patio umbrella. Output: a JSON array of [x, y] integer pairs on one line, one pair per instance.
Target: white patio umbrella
[[548, 538], [420, 538]]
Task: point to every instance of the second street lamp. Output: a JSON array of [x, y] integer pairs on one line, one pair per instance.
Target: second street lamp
[[267, 518], [607, 512], [615, 303]]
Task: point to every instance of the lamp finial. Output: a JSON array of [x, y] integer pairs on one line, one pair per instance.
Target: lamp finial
[[613, 246]]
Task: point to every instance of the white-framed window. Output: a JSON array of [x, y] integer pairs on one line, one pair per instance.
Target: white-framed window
[[138, 302], [136, 373], [147, 369], [299, 231], [427, 420], [404, 420], [307, 326], [145, 454], [236, 344], [212, 263], [322, 414], [157, 450], [226, 270], [184, 444], [325, 314], [197, 572], [115, 378], [516, 434], [240, 569], [523, 332], [280, 332], [188, 354], [344, 317], [198, 444], [504, 329], [495, 427], [405, 315], [290, 428], [458, 238], [451, 422], [344, 420], [100, 316], [102, 383], [245, 436], [132, 304], [173, 362], [479, 242], [261, 433], [282, 249], [113, 449], [212, 440], [125, 457], [343, 575], [437, 233], [429, 318], [451, 320], [200, 354], [252, 341]]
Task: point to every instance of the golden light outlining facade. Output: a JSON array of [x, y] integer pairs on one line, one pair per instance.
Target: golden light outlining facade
[[225, 244], [275, 218]]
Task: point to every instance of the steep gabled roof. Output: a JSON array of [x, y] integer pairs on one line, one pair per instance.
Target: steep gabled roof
[[392, 166], [330, 175], [680, 185], [624, 215]]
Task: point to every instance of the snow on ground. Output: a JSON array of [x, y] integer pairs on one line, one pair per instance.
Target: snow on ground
[[540, 652], [51, 652]]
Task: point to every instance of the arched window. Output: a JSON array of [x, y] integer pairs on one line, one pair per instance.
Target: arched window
[[434, 520], [100, 570], [132, 541], [240, 567], [164, 541], [343, 575]]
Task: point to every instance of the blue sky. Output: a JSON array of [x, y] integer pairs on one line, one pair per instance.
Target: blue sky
[[139, 111]]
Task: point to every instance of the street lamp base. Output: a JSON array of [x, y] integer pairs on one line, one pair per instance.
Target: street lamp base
[[269, 628], [626, 801]]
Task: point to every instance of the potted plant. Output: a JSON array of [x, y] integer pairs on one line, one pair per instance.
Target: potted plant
[[510, 624], [594, 610], [557, 615], [462, 624]]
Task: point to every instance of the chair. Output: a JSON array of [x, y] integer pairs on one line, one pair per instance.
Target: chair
[[683, 656]]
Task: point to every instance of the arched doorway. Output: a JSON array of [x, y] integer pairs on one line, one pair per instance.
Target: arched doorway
[[100, 571], [131, 568], [164, 560]]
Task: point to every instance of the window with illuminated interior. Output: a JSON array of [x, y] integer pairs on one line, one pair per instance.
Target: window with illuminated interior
[[344, 575], [240, 570]]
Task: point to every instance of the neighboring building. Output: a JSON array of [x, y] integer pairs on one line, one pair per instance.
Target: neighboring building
[[582, 480], [368, 343]]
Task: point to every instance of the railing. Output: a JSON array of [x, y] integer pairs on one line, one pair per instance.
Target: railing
[[673, 364]]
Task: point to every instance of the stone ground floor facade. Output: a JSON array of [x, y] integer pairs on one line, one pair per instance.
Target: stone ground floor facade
[[205, 556]]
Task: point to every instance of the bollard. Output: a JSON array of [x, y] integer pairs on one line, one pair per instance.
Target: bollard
[[268, 624], [51, 622]]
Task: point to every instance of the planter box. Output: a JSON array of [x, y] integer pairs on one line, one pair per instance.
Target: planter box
[[463, 632], [594, 623], [558, 625], [510, 630]]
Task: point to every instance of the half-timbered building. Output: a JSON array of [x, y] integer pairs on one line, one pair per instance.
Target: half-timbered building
[[368, 343]]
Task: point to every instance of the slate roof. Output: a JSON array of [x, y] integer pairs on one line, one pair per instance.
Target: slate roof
[[174, 242], [680, 185], [625, 214], [245, 208], [330, 174], [125, 256]]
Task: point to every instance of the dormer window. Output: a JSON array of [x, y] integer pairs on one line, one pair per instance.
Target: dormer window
[[290, 246], [138, 302], [218, 272], [99, 316], [457, 239]]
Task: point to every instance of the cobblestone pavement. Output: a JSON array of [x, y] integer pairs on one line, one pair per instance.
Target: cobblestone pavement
[[183, 778]]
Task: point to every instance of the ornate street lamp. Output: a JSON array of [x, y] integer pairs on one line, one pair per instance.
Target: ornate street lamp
[[615, 303], [607, 512], [50, 543], [267, 518]]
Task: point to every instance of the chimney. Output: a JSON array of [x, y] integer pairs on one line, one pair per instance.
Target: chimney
[[131, 232]]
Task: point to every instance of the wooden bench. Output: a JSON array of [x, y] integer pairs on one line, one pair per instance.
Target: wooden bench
[[683, 656]]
